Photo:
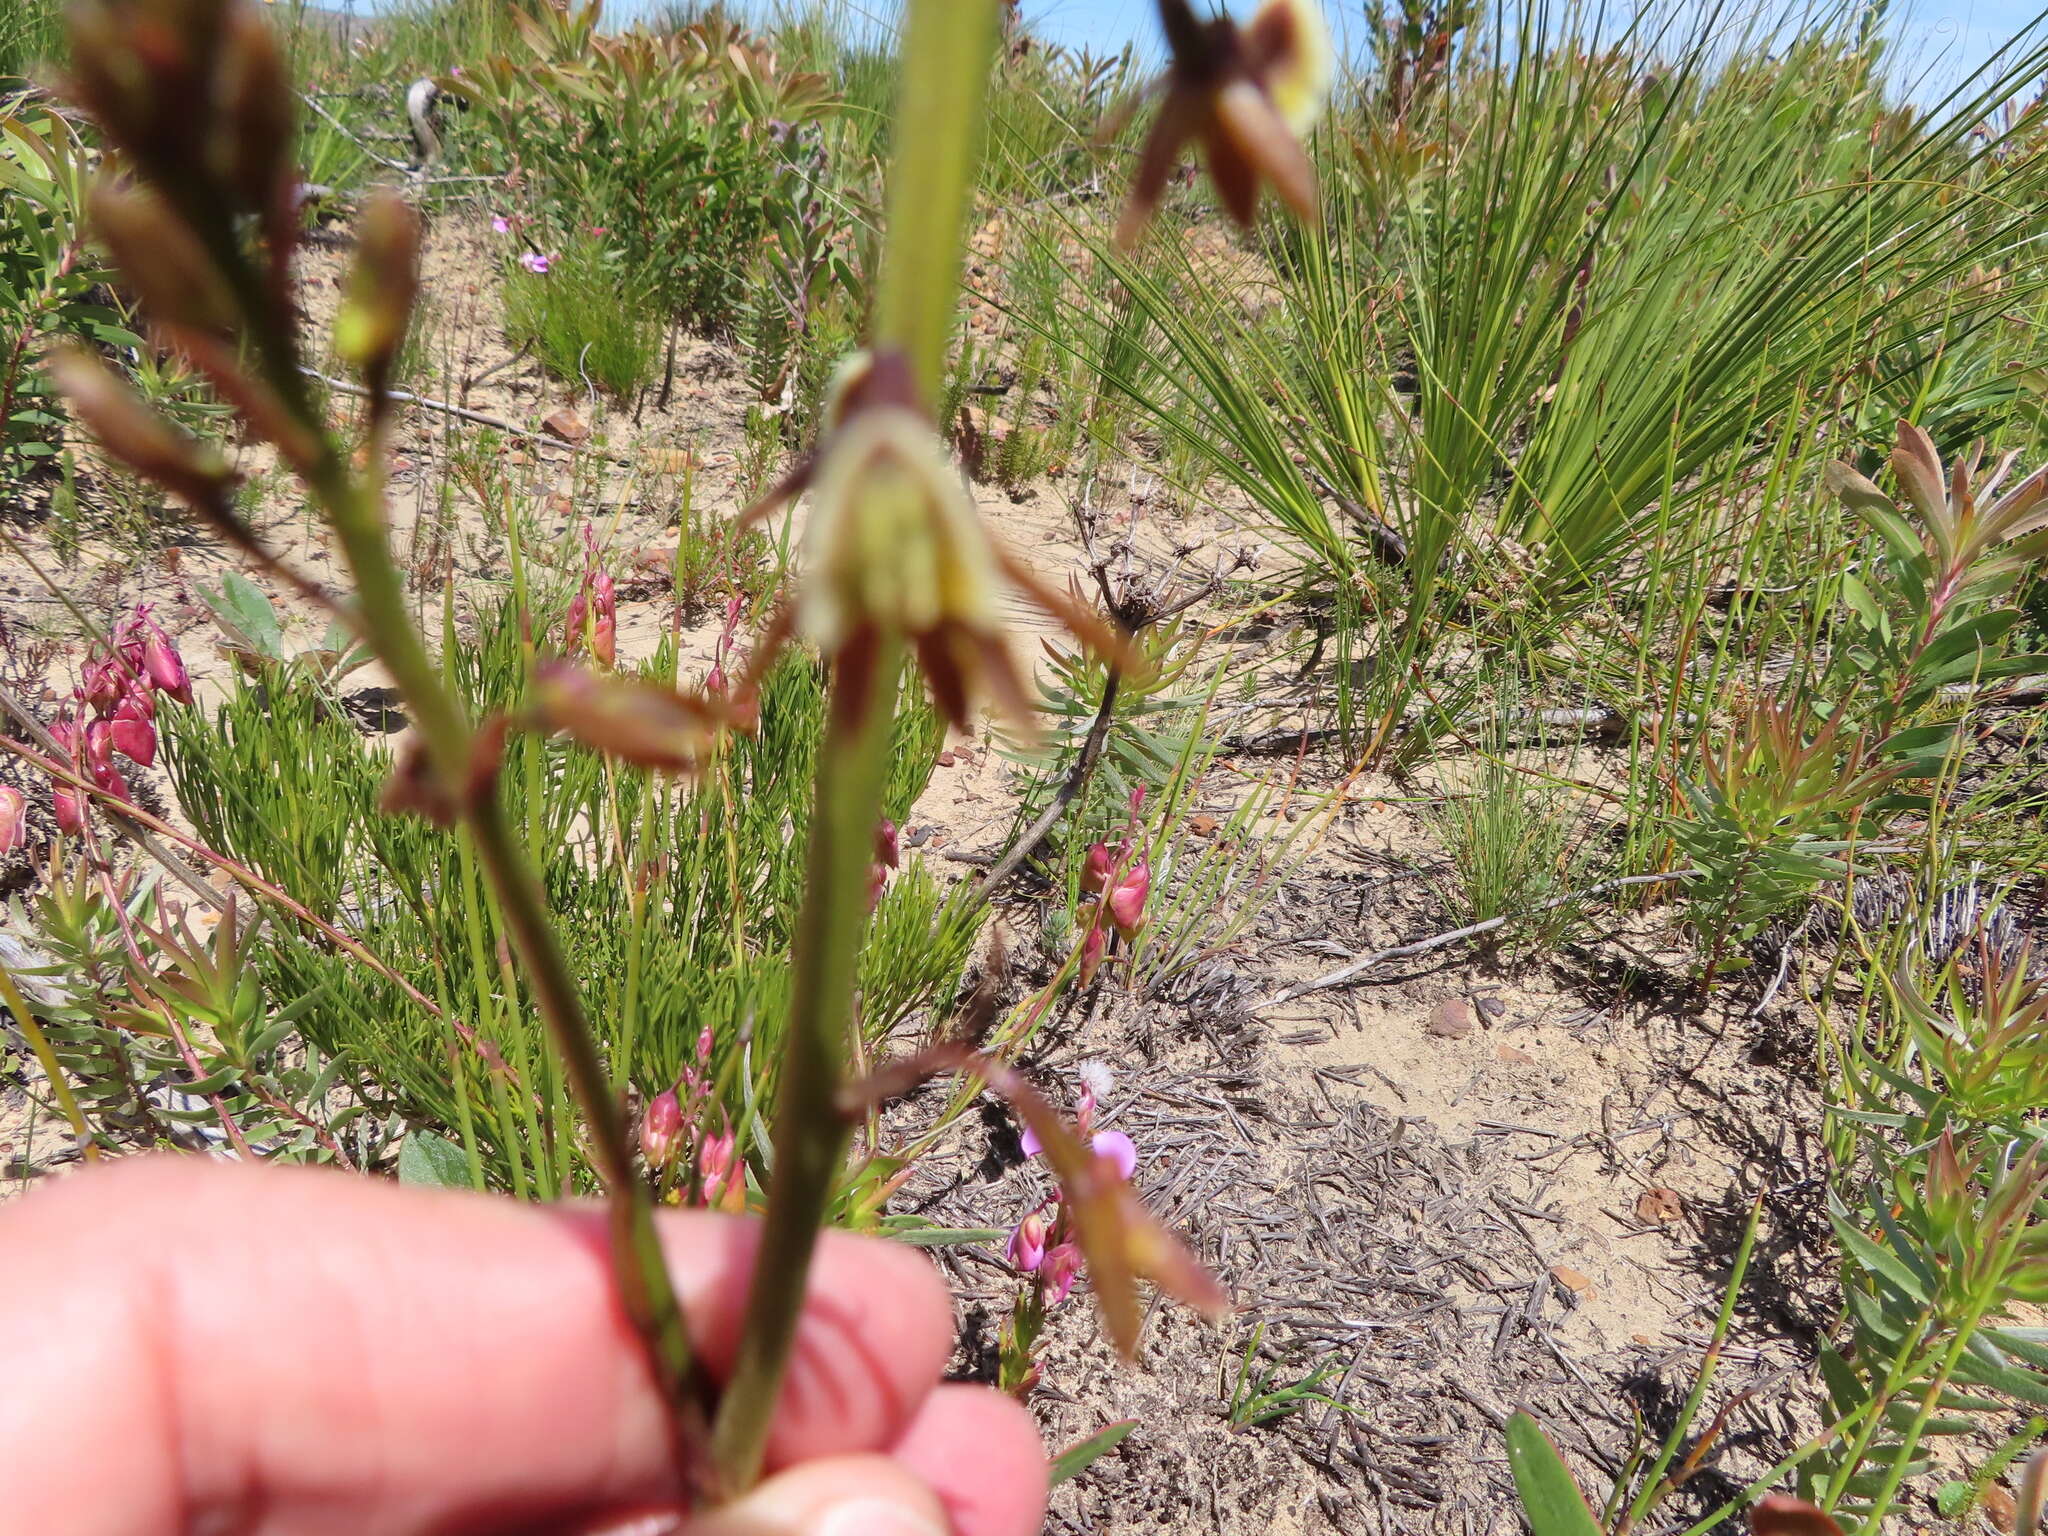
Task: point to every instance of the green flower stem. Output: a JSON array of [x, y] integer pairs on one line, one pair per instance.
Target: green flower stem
[[810, 1125], [947, 45], [947, 48]]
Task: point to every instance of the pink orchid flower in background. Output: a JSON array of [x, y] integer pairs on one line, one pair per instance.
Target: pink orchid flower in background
[[716, 1165], [1127, 901], [888, 844], [131, 734], [661, 1129], [536, 262], [1060, 1269], [1097, 869], [1113, 1146], [500, 225], [65, 803], [13, 818], [1026, 1247], [164, 667], [604, 624]]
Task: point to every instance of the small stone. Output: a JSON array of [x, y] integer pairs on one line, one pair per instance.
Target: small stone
[[1578, 1284], [1659, 1206], [1452, 1019], [566, 425], [946, 759], [1203, 826], [1513, 1057], [1492, 1007]]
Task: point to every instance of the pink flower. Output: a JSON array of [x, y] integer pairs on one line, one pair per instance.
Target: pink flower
[[1119, 1151], [714, 680], [131, 734], [573, 626], [13, 818], [99, 748], [878, 880], [1127, 901], [102, 684], [66, 803], [1057, 1274], [163, 666], [704, 1044], [1026, 1248], [536, 263], [660, 1129], [888, 846], [500, 225], [604, 628], [1114, 1146], [715, 1165], [595, 229], [1095, 870]]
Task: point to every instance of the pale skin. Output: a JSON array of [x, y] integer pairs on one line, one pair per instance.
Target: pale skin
[[199, 1349]]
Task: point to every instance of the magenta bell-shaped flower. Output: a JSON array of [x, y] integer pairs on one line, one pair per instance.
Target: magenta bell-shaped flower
[[661, 1129]]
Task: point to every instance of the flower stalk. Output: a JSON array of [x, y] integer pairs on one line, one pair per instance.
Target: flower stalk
[[947, 48]]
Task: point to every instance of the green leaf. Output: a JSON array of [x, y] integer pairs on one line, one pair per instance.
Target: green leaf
[[1879, 1261], [1550, 1499], [1079, 1456], [921, 1235], [242, 609], [432, 1161], [1858, 597]]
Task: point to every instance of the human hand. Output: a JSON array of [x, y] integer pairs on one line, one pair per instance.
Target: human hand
[[207, 1348]]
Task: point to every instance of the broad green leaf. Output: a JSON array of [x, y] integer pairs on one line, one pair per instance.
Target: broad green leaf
[[1550, 1499], [1082, 1454], [433, 1161]]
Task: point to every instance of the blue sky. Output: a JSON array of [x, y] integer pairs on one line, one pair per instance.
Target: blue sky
[[1948, 39], [1938, 42]]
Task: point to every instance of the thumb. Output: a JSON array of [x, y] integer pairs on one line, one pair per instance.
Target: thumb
[[837, 1496]]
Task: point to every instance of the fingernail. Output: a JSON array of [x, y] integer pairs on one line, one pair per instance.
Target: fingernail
[[877, 1517]]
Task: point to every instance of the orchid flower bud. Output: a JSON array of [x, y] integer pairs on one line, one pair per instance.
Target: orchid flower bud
[[661, 1129], [1093, 948], [704, 1044], [67, 804], [13, 818], [1127, 901], [888, 846], [1026, 1247]]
